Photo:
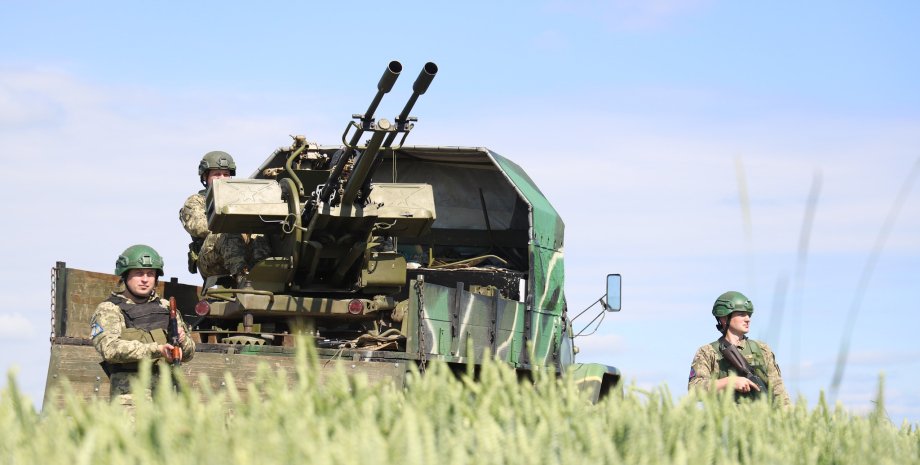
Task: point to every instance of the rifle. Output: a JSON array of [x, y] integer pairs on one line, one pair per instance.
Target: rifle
[[172, 333], [731, 353]]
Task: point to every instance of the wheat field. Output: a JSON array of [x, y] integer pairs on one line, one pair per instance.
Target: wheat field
[[444, 419]]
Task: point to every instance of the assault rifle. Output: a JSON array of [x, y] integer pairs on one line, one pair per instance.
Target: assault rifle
[[740, 364], [172, 333]]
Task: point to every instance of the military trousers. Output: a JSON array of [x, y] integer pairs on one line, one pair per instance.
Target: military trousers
[[228, 254]]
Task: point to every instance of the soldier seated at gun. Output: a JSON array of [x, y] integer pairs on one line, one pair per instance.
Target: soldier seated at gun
[[215, 254]]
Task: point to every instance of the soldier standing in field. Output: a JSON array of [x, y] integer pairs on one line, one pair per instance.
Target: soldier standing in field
[[131, 324], [734, 361], [215, 254]]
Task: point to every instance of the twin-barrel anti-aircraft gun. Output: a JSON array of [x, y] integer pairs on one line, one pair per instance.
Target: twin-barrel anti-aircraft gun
[[388, 255]]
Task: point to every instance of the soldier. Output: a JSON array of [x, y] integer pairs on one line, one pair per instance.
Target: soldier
[[131, 324], [712, 370], [215, 254]]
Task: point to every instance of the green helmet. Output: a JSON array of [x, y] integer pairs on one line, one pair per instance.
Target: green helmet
[[731, 301], [216, 160], [139, 256]]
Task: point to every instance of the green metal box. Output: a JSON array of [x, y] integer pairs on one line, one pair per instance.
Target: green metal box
[[245, 206]]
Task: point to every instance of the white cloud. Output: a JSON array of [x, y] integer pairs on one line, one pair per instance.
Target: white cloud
[[25, 100], [607, 344], [16, 327]]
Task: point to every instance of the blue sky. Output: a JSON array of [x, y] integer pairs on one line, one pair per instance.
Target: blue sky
[[633, 117]]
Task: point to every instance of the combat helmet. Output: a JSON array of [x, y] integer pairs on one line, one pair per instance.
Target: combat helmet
[[731, 301], [216, 160], [139, 256]]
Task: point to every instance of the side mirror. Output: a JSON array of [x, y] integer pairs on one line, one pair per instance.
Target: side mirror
[[612, 300]]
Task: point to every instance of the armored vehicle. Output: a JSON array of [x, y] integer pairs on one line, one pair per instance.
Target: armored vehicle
[[388, 255]]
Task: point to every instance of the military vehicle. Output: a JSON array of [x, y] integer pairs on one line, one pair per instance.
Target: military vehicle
[[388, 255]]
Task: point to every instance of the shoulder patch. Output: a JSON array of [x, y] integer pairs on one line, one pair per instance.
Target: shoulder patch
[[692, 374], [95, 329]]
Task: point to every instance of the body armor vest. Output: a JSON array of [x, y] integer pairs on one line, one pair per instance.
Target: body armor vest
[[144, 322], [754, 356], [147, 316]]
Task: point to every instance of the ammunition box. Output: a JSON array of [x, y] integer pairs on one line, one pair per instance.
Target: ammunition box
[[384, 269], [245, 206], [407, 208]]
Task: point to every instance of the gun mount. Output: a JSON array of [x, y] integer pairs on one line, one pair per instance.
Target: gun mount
[[331, 228]]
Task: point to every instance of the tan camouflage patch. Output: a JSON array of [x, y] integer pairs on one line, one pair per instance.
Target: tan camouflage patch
[[193, 217], [775, 376], [702, 368]]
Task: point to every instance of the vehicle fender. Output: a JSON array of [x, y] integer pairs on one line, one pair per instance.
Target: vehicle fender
[[594, 380]]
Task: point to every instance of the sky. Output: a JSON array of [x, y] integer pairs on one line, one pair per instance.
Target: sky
[[680, 141]]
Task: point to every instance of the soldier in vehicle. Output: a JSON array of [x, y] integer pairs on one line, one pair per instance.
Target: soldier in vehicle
[[734, 361], [215, 254], [131, 324]]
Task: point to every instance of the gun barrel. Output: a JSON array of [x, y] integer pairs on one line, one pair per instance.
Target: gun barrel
[[425, 76], [383, 86], [362, 170], [173, 333], [419, 87]]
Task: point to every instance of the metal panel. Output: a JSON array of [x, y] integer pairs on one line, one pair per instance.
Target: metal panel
[[84, 291], [473, 323], [79, 292], [79, 363], [245, 206]]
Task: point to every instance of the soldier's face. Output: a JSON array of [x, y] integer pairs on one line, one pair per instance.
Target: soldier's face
[[217, 174], [739, 322], [141, 281]]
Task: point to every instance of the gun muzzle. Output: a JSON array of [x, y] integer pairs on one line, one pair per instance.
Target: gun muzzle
[[424, 78], [383, 86], [389, 76]]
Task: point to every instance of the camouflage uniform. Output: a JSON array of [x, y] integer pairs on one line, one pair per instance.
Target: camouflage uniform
[[220, 253], [123, 344], [709, 365]]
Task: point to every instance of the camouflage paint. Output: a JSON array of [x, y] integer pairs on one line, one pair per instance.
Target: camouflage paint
[[593, 379], [473, 325], [545, 293]]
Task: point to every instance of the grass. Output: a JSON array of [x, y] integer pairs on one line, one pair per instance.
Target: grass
[[441, 419]]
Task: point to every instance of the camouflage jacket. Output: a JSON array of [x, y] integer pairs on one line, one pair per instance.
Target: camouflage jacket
[[193, 216], [708, 366], [107, 325]]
